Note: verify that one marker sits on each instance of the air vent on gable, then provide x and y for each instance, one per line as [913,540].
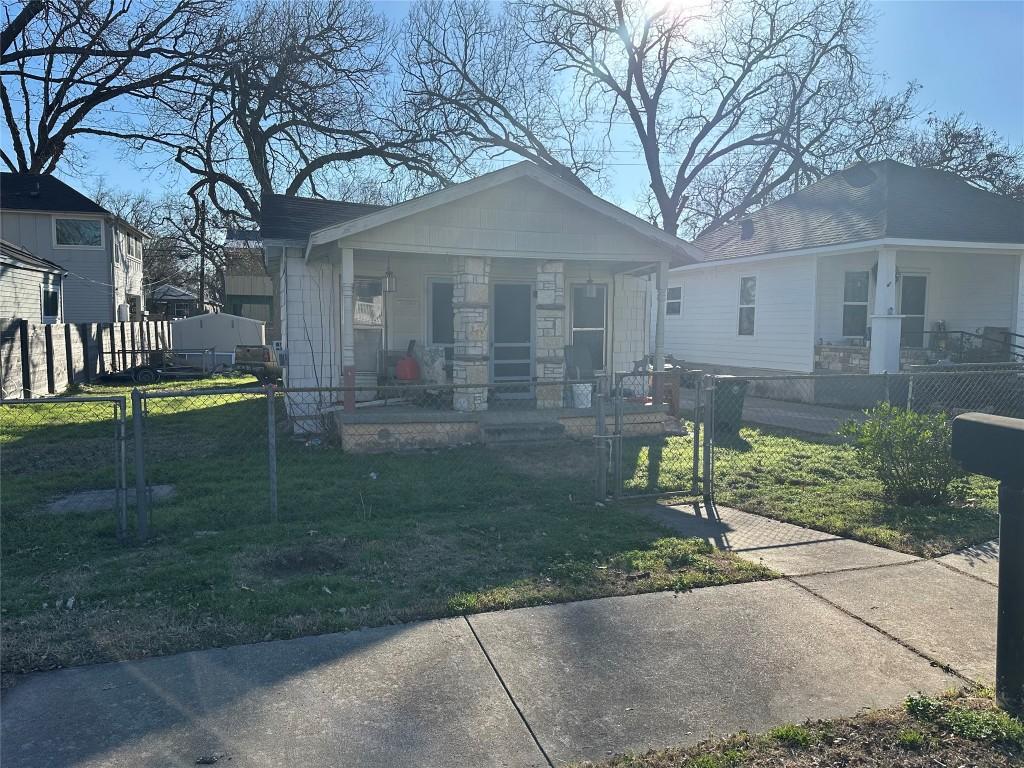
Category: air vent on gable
[746,229]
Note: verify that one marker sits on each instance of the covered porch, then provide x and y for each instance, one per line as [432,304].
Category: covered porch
[887,308]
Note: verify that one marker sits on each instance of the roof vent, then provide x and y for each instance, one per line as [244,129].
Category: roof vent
[746,229]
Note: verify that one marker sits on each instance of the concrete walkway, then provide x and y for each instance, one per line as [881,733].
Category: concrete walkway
[852,626]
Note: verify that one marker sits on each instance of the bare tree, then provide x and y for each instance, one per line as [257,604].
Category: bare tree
[294,92]
[976,154]
[70,64]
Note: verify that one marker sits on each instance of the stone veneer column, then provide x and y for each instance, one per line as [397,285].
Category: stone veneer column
[471,303]
[550,333]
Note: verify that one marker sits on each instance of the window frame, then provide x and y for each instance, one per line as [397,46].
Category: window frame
[740,306]
[604,329]
[677,302]
[84,217]
[44,318]
[848,303]
[449,357]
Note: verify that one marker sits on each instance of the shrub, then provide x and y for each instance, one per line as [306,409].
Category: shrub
[796,736]
[910,454]
[908,738]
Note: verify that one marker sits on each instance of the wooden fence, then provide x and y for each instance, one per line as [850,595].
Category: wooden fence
[38,359]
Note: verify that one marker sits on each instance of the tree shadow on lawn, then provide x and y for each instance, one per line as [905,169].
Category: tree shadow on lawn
[817,482]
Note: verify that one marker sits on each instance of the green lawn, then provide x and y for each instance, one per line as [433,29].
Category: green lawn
[359,539]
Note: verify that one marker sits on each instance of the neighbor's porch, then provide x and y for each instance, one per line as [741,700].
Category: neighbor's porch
[884,309]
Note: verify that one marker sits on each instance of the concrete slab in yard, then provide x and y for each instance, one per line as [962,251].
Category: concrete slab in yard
[102,500]
[950,617]
[631,673]
[980,561]
[415,695]
[783,547]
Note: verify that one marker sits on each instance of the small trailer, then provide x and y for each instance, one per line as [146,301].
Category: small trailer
[148,366]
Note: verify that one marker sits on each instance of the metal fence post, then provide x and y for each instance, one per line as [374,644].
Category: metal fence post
[121,469]
[272,451]
[617,404]
[601,449]
[709,442]
[698,396]
[910,392]
[141,492]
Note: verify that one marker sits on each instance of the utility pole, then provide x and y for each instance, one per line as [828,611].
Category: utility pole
[202,257]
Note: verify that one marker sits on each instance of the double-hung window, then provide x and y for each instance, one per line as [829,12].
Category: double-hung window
[49,296]
[855,304]
[589,319]
[748,301]
[674,300]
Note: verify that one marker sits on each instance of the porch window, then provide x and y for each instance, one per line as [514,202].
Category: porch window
[442,320]
[589,322]
[855,304]
[913,291]
[674,301]
[368,323]
[748,300]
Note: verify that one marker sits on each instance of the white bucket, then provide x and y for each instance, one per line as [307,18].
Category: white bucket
[581,395]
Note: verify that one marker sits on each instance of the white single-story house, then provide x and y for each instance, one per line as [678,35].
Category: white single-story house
[496,276]
[868,269]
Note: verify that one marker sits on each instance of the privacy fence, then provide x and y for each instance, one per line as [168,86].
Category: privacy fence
[41,359]
[206,461]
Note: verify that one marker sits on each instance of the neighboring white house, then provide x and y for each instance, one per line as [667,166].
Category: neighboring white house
[101,253]
[31,288]
[500,273]
[876,265]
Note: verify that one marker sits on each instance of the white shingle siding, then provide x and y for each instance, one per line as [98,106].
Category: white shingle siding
[707,329]
[312,303]
[20,292]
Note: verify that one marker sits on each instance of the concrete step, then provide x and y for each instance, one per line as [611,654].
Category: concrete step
[522,432]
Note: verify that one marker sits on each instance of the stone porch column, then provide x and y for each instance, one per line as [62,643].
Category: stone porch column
[550,333]
[471,304]
[885,323]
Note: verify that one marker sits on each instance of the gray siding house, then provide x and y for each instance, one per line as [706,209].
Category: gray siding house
[30,288]
[101,253]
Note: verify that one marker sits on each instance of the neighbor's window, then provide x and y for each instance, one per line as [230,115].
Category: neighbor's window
[748,298]
[86,233]
[855,304]
[50,303]
[588,322]
[674,301]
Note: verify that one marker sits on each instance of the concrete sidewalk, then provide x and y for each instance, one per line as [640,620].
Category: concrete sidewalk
[852,627]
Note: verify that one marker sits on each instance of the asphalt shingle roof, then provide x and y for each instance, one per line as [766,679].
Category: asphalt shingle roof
[284,217]
[32,192]
[871,201]
[19,257]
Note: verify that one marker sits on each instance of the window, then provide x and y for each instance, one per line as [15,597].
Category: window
[50,303]
[588,322]
[855,304]
[674,301]
[442,320]
[369,302]
[748,299]
[81,233]
[913,292]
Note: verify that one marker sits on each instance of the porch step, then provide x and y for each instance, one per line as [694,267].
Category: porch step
[522,432]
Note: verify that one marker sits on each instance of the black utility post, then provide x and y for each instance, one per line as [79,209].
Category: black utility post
[994,446]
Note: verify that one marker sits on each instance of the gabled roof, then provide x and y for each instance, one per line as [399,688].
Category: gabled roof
[285,217]
[351,225]
[18,257]
[33,192]
[172,293]
[872,201]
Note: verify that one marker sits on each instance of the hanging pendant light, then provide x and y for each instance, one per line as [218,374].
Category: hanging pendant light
[389,284]
[590,289]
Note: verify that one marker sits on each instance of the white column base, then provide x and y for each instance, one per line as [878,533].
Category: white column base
[885,343]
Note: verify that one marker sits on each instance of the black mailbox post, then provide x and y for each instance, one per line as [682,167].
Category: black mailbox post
[994,446]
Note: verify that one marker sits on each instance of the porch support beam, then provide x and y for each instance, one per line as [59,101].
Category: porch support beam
[348,337]
[471,305]
[550,333]
[659,331]
[885,323]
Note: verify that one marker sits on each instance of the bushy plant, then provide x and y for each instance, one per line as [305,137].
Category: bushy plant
[910,454]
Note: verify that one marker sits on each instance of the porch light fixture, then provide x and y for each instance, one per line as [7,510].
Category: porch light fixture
[590,289]
[389,284]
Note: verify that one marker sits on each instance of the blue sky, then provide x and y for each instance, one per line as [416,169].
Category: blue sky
[968,55]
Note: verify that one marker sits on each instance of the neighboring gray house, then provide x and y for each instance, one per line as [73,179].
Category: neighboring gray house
[173,303]
[30,288]
[876,266]
[101,253]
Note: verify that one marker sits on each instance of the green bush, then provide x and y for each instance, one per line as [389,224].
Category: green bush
[910,454]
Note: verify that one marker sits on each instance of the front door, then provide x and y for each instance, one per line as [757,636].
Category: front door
[913,289]
[512,336]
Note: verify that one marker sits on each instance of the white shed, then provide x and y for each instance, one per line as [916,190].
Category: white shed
[219,331]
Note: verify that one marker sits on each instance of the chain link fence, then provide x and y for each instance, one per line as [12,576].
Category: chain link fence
[764,437]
